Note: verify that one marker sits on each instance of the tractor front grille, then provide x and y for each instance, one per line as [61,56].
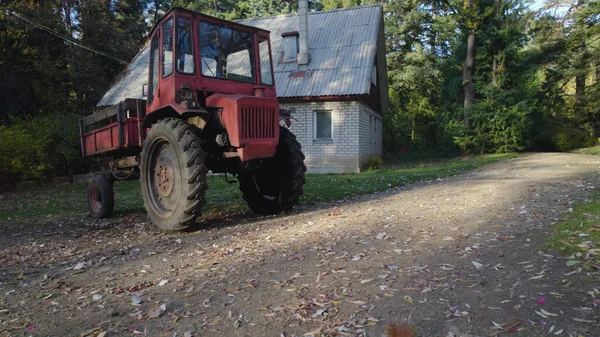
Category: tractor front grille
[257,123]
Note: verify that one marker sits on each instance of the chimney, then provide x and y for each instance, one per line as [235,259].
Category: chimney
[303,57]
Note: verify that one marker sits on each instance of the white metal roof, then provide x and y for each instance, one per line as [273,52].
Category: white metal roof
[342,48]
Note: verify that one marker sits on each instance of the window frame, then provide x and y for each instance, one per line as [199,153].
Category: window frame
[315,126]
[190,23]
[162,47]
[152,74]
[291,41]
[267,40]
[252,53]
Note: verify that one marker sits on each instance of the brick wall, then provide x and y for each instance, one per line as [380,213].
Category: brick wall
[371,134]
[351,142]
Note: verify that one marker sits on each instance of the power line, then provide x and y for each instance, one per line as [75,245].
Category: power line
[68,39]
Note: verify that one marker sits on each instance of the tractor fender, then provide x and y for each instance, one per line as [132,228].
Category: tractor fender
[168,111]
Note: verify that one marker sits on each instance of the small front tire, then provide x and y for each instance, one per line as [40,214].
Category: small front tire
[100,197]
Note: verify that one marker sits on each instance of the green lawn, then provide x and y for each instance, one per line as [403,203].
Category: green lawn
[69,199]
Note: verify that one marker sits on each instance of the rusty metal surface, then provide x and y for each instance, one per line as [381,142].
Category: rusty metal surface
[342,48]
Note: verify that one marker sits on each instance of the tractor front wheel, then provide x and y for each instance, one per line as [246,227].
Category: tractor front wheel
[173,175]
[278,183]
[100,196]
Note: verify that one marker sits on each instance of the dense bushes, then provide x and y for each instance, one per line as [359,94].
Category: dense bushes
[37,148]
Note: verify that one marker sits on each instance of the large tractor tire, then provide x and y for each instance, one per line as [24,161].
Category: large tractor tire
[173,175]
[100,196]
[278,183]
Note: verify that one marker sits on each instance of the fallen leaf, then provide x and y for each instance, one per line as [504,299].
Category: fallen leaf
[381,236]
[157,311]
[356,258]
[446,266]
[477,264]
[547,313]
[136,300]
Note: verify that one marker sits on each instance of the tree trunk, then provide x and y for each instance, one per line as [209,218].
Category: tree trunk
[580,82]
[468,70]
[495,71]
[597,79]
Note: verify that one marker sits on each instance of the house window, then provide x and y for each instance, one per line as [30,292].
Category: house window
[323,125]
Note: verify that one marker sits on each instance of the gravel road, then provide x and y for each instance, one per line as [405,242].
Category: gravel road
[465,253]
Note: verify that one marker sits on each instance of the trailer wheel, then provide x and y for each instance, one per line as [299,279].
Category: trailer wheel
[100,197]
[173,175]
[278,183]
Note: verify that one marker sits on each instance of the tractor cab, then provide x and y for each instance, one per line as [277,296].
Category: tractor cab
[219,71]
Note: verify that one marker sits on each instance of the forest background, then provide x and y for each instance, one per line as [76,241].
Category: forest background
[466,76]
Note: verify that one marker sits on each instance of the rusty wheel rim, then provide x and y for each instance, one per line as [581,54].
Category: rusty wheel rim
[164,177]
[95,198]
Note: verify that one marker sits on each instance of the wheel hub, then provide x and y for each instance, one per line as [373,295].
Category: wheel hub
[164,180]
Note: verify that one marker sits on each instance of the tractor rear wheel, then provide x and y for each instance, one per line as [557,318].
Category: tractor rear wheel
[278,183]
[173,175]
[100,196]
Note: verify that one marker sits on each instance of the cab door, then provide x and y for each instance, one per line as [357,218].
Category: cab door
[160,75]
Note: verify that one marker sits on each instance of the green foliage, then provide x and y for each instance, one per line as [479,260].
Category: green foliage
[22,155]
[38,148]
[567,139]
[374,163]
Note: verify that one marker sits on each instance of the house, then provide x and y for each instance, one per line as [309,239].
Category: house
[330,70]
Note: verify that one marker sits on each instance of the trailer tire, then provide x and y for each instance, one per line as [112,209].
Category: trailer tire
[278,183]
[173,175]
[100,196]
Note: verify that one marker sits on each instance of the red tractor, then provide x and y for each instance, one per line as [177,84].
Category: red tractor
[211,105]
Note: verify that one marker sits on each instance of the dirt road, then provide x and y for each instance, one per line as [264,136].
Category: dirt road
[465,251]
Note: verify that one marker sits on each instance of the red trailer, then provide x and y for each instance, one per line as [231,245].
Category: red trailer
[211,105]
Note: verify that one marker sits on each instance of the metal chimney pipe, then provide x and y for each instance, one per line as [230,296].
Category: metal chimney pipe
[303,57]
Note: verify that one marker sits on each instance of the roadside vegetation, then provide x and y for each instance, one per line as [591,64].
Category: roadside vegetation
[60,200]
[578,233]
[594,150]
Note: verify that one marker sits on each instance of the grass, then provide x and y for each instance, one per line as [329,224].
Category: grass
[69,199]
[580,226]
[594,150]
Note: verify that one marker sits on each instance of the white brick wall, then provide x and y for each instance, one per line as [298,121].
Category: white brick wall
[351,143]
[371,134]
